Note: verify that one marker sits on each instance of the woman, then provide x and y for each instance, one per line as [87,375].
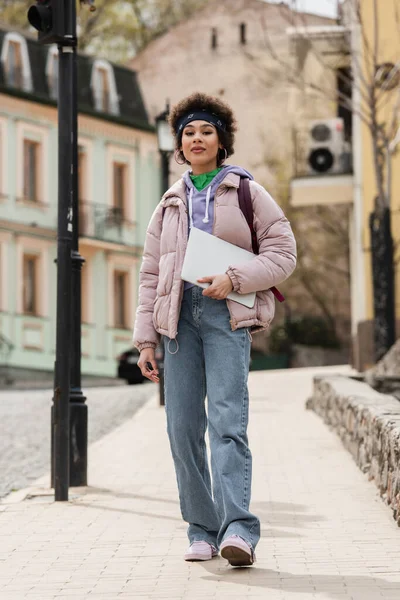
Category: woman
[207,337]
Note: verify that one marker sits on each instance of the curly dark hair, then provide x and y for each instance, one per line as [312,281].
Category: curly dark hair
[200,101]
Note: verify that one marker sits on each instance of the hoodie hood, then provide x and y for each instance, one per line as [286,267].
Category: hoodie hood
[201,203]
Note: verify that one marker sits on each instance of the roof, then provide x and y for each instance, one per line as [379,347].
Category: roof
[132,111]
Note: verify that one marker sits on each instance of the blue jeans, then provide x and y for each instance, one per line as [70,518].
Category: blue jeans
[210,360]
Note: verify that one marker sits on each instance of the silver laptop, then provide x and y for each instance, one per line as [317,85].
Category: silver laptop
[207,255]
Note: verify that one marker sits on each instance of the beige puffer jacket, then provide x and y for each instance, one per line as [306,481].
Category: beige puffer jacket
[161,287]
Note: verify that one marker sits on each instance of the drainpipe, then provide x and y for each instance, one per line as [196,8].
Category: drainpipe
[358,283]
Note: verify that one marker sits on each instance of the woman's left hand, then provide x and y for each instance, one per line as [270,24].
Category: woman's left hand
[221,286]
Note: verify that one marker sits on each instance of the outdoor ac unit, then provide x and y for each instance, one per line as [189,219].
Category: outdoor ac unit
[327,147]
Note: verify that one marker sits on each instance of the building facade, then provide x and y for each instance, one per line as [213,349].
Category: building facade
[348,46]
[118,190]
[385,27]
[224,50]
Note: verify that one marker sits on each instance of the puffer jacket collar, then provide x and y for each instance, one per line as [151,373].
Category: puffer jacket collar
[177,192]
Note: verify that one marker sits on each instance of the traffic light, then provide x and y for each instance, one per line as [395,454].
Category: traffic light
[48,17]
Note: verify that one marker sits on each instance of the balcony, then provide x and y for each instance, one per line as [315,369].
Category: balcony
[327,187]
[105,223]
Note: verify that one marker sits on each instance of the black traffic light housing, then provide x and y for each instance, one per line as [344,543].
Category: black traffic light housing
[49,18]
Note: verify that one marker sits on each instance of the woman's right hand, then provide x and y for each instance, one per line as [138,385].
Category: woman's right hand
[147,355]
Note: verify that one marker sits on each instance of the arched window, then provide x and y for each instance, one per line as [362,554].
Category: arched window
[52,71]
[15,60]
[104,88]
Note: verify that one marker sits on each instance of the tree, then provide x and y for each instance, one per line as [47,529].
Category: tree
[116,29]
[367,85]
[321,281]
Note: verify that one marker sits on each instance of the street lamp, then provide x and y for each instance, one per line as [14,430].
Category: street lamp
[166,146]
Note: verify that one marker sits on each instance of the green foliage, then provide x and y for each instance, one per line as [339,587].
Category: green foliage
[306,330]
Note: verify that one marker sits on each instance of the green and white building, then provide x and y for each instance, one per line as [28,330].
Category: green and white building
[118,190]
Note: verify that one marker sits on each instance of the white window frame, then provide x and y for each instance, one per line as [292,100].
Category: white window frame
[38,248]
[127,264]
[26,131]
[116,154]
[103,65]
[52,58]
[17,38]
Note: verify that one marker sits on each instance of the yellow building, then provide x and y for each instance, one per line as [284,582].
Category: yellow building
[361,53]
[385,33]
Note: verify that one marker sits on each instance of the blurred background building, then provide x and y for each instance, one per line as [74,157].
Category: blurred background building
[340,154]
[118,190]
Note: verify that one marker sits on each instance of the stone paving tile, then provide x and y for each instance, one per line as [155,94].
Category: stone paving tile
[326,533]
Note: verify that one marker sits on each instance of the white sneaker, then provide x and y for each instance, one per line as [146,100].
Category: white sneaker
[200,550]
[237,552]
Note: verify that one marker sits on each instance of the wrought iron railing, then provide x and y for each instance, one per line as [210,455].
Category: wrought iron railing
[105,223]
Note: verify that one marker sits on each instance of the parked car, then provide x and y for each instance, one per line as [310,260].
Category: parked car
[128,368]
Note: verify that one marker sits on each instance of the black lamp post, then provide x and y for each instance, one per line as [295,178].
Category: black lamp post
[78,410]
[56,23]
[166,147]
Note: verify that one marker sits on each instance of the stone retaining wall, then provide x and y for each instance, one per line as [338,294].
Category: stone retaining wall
[368,424]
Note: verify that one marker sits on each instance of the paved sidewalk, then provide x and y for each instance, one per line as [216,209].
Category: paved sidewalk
[326,533]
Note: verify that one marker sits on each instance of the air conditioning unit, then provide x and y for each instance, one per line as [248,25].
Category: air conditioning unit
[327,149]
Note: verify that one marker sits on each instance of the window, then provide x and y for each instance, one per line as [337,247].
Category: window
[344,88]
[104,93]
[29,301]
[104,88]
[32,163]
[52,66]
[120,297]
[242,28]
[14,65]
[119,186]
[30,175]
[15,60]
[214,38]
[33,275]
[120,165]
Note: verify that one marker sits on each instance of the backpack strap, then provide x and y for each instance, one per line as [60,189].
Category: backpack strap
[246,206]
[247,209]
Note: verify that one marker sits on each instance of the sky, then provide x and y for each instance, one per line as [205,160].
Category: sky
[319,7]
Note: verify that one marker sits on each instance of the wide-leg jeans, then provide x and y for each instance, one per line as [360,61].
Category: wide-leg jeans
[209,359]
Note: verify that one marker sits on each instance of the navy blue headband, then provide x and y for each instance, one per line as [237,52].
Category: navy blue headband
[201,115]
